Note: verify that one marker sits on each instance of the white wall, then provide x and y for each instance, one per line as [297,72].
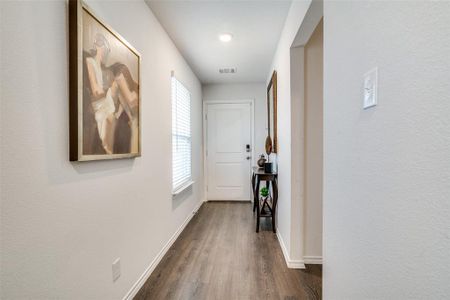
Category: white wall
[244,91]
[387,169]
[313,73]
[297,149]
[289,204]
[64,223]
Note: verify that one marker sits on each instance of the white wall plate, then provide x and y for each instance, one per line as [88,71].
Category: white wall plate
[370,88]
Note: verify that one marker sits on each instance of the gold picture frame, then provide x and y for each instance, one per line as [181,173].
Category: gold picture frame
[104,89]
[272,111]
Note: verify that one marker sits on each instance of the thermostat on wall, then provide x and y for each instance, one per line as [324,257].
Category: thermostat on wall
[370,88]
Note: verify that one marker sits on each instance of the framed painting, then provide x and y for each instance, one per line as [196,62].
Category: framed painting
[105,94]
[272,111]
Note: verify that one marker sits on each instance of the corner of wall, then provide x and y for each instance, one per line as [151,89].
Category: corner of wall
[291,263]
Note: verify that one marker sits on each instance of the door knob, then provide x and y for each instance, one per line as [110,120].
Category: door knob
[248,157]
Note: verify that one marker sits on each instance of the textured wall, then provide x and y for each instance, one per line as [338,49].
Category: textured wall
[64,223]
[387,169]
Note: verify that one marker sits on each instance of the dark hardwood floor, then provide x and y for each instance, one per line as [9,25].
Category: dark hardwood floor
[220,256]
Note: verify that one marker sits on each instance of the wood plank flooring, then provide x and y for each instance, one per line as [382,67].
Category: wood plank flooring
[220,256]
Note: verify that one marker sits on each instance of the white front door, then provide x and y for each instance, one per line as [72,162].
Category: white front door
[229,151]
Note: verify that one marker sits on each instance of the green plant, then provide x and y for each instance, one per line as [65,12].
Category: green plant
[264,192]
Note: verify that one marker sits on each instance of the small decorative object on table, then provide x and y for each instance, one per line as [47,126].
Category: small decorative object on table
[264,192]
[268,145]
[262,159]
[268,165]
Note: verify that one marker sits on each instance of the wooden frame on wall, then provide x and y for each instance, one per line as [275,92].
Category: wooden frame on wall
[272,111]
[104,89]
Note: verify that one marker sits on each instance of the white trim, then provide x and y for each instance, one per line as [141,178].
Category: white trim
[148,271]
[205,141]
[182,187]
[291,263]
[312,260]
[296,264]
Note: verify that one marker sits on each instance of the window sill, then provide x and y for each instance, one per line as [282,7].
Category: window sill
[182,188]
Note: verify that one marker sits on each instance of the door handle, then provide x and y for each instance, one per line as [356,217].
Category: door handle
[248,157]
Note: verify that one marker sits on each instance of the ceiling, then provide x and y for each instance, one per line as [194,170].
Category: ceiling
[194,27]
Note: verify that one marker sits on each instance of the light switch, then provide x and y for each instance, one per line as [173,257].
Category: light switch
[370,88]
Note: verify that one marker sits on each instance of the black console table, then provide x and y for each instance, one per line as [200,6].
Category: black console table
[264,207]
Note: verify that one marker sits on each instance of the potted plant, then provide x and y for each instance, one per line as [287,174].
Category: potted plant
[264,192]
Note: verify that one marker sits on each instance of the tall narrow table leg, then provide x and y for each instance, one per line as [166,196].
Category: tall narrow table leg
[274,204]
[258,212]
[253,191]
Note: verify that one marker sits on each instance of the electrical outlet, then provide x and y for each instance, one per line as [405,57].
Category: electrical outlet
[116,269]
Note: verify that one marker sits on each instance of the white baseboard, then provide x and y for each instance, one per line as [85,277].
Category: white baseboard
[291,263]
[312,260]
[148,271]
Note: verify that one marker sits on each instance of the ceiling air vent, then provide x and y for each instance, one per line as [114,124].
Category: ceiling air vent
[228,70]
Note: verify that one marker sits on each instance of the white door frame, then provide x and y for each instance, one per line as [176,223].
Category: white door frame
[205,140]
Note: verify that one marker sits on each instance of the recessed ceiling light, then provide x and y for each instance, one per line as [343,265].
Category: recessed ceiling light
[225,37]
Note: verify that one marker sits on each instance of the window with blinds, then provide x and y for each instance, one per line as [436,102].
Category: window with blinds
[181,135]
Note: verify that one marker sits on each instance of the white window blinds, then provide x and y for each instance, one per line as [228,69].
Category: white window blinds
[181,135]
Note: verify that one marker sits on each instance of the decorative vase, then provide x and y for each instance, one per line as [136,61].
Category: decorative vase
[261,161]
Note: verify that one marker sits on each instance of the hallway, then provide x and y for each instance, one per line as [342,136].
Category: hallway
[132,133]
[219,256]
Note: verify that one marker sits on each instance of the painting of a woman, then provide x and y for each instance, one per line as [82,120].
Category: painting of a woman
[128,105]
[101,101]
[110,93]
